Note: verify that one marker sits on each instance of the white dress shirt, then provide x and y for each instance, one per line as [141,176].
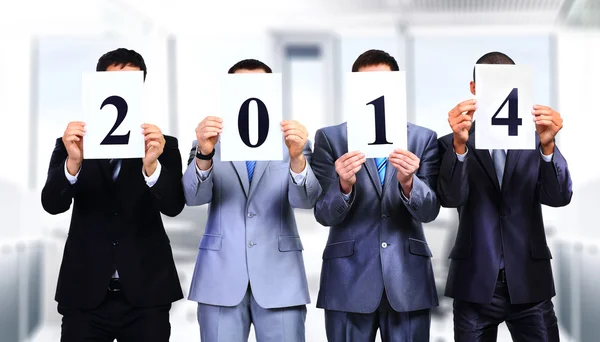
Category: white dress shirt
[461,157]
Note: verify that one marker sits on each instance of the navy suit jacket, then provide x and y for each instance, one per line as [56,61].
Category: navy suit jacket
[376,239]
[494,218]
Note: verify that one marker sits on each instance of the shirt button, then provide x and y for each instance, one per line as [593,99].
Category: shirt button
[251,244]
[251,214]
[384,245]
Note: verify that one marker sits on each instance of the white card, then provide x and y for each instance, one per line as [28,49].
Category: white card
[251,109]
[376,109]
[504,105]
[113,114]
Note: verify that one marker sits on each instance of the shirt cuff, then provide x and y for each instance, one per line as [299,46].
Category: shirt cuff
[299,178]
[461,157]
[545,157]
[150,181]
[202,174]
[346,196]
[71,179]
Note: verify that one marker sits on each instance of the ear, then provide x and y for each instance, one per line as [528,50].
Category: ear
[472,86]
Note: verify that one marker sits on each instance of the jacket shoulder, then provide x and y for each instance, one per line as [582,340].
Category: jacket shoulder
[171,141]
[420,130]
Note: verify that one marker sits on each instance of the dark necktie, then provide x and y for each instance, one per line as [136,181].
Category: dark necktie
[115,167]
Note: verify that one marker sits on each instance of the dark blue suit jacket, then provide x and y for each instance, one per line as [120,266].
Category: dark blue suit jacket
[376,240]
[492,218]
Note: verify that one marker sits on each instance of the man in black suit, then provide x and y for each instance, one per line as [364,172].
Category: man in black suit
[117,279]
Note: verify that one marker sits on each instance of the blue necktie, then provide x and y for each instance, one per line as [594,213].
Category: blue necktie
[499,159]
[250,167]
[115,167]
[381,164]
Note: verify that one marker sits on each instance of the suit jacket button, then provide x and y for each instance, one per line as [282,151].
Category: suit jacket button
[251,214]
[115,243]
[383,216]
[251,244]
[384,245]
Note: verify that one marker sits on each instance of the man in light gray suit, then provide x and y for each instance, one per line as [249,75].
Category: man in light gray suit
[250,268]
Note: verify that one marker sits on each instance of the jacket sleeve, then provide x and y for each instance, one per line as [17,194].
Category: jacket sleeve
[168,191]
[331,207]
[453,182]
[305,196]
[58,193]
[555,181]
[196,192]
[423,203]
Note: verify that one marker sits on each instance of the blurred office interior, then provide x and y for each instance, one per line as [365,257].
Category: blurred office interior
[188,45]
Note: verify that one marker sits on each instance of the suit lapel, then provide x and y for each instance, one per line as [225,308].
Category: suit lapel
[259,170]
[372,171]
[240,168]
[484,158]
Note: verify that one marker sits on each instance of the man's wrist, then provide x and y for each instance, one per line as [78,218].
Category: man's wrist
[548,149]
[406,186]
[460,148]
[346,189]
[73,166]
[298,164]
[150,168]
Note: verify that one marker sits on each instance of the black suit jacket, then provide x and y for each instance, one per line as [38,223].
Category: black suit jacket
[116,225]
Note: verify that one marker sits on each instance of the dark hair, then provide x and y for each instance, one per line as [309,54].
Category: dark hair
[375,57]
[494,57]
[122,57]
[249,64]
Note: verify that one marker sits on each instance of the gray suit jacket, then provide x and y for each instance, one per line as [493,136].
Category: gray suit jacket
[376,240]
[251,234]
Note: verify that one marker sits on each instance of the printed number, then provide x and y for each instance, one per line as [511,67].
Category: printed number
[263,122]
[379,106]
[512,121]
[122,107]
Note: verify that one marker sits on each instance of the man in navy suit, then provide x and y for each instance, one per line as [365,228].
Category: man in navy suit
[500,264]
[377,271]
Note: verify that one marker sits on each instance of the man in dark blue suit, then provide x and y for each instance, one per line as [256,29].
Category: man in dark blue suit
[377,271]
[500,269]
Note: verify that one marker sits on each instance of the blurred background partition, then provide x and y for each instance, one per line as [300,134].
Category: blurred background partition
[189,45]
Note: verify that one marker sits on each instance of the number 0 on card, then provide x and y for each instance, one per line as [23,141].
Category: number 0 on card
[113,113]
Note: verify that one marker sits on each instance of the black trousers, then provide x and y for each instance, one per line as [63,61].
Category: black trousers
[116,319]
[535,322]
[393,326]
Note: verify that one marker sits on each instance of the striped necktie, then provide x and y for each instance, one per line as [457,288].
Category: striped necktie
[250,167]
[381,165]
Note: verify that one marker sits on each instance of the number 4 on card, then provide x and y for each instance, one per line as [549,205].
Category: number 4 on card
[512,121]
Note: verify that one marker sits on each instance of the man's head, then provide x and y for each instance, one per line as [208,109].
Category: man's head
[375,60]
[249,66]
[490,58]
[122,59]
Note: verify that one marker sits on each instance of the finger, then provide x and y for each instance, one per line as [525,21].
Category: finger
[465,106]
[349,155]
[149,129]
[461,118]
[75,131]
[214,124]
[72,138]
[542,111]
[355,170]
[153,136]
[78,124]
[353,159]
[213,118]
[294,131]
[555,120]
[406,153]
[354,164]
[208,135]
[544,123]
[151,144]
[212,129]
[407,161]
[293,139]
[402,167]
